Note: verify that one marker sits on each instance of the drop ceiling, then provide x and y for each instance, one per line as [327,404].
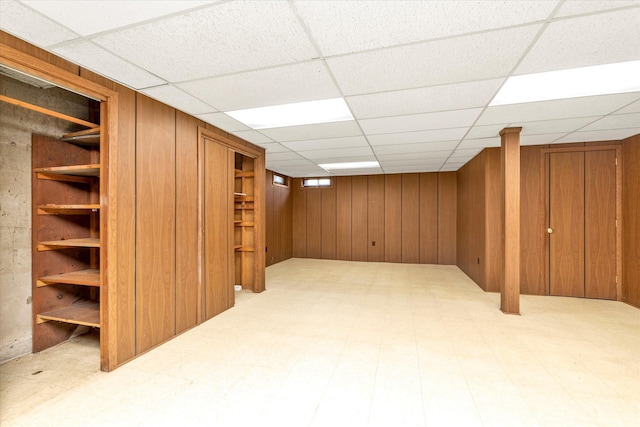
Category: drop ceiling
[418,76]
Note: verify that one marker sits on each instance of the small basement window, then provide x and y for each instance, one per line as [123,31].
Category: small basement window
[280,180]
[316,182]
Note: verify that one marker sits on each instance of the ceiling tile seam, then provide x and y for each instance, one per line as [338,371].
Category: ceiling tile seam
[137,24]
[595,12]
[215,110]
[423,113]
[515,67]
[621,108]
[47,18]
[307,31]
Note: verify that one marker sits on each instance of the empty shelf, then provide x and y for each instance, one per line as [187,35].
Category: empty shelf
[89,137]
[82,277]
[244,249]
[242,174]
[244,224]
[67,209]
[88,242]
[84,312]
[65,172]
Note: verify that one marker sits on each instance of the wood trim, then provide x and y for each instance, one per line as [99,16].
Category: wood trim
[48,112]
[595,147]
[245,150]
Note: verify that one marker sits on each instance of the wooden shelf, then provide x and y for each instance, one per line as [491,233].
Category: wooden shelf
[243,224]
[244,205]
[83,312]
[244,198]
[69,243]
[76,173]
[242,174]
[87,138]
[82,277]
[243,249]
[52,209]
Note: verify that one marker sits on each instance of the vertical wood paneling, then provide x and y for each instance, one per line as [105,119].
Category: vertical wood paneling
[314,223]
[411,218]
[359,218]
[493,224]
[217,217]
[600,224]
[375,218]
[272,212]
[187,280]
[155,222]
[447,201]
[258,265]
[393,218]
[329,222]
[299,219]
[428,218]
[532,227]
[343,218]
[631,220]
[566,207]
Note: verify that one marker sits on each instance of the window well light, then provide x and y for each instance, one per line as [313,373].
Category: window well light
[605,79]
[352,165]
[299,113]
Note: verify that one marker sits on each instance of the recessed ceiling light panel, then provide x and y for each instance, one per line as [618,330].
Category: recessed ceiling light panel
[299,113]
[605,79]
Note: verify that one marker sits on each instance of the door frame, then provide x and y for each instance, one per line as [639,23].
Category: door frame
[596,146]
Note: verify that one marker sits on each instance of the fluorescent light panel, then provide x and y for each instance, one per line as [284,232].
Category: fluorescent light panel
[352,165]
[606,79]
[299,113]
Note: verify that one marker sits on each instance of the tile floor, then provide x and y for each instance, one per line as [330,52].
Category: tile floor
[336,343]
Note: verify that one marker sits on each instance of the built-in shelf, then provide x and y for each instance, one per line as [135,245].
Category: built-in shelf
[89,137]
[243,224]
[75,173]
[83,312]
[244,198]
[243,249]
[244,205]
[88,242]
[82,277]
[52,209]
[242,174]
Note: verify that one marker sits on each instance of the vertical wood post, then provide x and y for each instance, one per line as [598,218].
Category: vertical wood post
[510,207]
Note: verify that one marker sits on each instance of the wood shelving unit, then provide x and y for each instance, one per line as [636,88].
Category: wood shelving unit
[89,277]
[86,138]
[244,221]
[83,209]
[83,312]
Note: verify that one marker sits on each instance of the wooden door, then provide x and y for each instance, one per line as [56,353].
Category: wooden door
[600,224]
[566,223]
[217,220]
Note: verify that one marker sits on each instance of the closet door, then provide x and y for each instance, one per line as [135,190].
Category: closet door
[600,224]
[217,222]
[566,224]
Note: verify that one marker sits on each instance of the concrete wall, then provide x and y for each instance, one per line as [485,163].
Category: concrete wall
[16,127]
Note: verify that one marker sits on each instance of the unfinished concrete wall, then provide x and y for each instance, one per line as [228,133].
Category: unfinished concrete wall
[16,127]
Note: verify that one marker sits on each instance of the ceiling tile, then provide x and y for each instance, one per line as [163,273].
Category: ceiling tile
[23,22]
[589,40]
[329,143]
[307,81]
[413,162]
[336,153]
[465,153]
[423,100]
[173,96]
[265,33]
[437,135]
[540,139]
[319,131]
[107,64]
[284,155]
[617,121]
[599,135]
[403,22]
[253,136]
[425,155]
[557,109]
[274,148]
[90,17]
[414,148]
[412,169]
[488,131]
[416,122]
[479,143]
[222,121]
[475,57]
[553,126]
[579,7]
[359,171]
[631,108]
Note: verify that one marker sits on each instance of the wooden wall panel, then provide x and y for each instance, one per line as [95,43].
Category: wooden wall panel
[285,248]
[343,218]
[631,220]
[41,54]
[359,218]
[411,218]
[270,212]
[329,222]
[375,218]
[493,217]
[447,202]
[393,218]
[187,279]
[155,223]
[428,218]
[532,221]
[299,219]
[314,223]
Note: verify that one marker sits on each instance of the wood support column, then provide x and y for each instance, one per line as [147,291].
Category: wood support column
[510,207]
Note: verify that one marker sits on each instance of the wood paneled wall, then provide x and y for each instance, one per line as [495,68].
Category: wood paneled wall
[406,218]
[631,220]
[279,221]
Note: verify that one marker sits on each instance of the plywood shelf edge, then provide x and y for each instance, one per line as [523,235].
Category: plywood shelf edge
[83,312]
[69,243]
[83,278]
